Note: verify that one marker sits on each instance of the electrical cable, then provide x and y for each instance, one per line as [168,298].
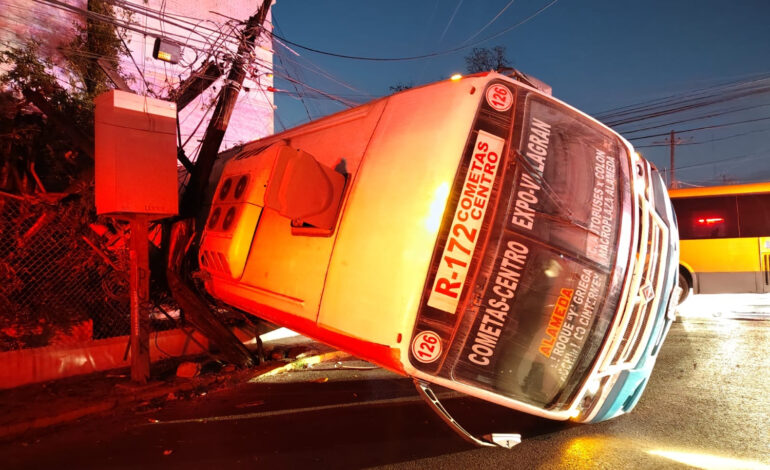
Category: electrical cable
[701,92]
[696,118]
[676,103]
[716,126]
[761,154]
[422,56]
[491,21]
[719,139]
[451,19]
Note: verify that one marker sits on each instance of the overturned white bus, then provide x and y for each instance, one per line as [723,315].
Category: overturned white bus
[475,233]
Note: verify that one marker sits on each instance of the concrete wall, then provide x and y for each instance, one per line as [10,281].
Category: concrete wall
[35,365]
[26,366]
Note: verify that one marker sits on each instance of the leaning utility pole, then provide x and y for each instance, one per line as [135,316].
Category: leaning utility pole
[195,306]
[217,127]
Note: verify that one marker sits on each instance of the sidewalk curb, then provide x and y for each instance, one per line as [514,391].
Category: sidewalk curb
[152,391]
[303,363]
[10,430]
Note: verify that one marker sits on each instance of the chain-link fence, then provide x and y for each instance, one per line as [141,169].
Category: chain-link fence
[62,273]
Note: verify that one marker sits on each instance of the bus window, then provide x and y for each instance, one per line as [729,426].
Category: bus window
[546,345]
[582,166]
[707,217]
[754,215]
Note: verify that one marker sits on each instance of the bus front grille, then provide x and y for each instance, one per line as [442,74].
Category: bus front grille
[646,286]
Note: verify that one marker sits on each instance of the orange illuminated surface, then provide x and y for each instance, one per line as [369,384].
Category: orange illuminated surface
[356,286]
[132,134]
[420,172]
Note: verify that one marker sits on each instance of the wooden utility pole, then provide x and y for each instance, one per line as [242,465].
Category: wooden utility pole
[199,80]
[672,141]
[217,127]
[193,304]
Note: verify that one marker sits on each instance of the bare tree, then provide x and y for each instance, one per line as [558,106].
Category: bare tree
[482,59]
[400,86]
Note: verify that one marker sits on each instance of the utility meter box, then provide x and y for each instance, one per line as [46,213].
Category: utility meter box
[135,153]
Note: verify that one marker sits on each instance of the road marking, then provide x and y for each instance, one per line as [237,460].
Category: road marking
[309,409]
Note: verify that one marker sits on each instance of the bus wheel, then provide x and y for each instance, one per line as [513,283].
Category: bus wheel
[684,283]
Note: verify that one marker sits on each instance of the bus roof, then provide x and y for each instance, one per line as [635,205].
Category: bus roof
[749,188]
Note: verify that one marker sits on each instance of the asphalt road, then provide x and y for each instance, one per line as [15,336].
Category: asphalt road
[706,407]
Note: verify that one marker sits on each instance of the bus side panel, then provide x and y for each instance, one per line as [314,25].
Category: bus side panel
[286,271]
[389,228]
[243,297]
[723,265]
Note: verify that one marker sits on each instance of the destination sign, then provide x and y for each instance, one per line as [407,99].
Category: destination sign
[466,224]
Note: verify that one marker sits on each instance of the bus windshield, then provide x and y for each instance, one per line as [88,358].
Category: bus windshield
[544,312]
[546,281]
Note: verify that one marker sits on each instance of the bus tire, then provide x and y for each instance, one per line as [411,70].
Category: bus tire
[684,283]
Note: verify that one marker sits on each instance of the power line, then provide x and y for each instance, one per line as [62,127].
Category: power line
[451,19]
[760,154]
[687,104]
[716,126]
[696,118]
[719,139]
[423,56]
[491,21]
[649,105]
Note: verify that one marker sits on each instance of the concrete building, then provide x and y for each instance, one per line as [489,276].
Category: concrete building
[206,29]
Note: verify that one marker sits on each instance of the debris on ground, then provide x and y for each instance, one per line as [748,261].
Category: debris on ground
[300,352]
[277,354]
[188,370]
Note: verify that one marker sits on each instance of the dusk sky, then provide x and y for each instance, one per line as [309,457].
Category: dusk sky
[596,54]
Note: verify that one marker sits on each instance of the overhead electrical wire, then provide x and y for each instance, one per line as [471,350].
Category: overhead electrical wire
[719,139]
[683,101]
[314,68]
[131,27]
[215,40]
[451,19]
[697,118]
[483,28]
[715,126]
[687,104]
[214,44]
[760,154]
[635,107]
[422,56]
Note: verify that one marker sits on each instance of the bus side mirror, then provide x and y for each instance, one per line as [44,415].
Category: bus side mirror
[304,190]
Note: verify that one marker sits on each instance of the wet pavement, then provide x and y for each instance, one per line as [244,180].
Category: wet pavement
[705,407]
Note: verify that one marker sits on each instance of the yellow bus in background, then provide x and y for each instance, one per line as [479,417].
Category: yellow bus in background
[725,238]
